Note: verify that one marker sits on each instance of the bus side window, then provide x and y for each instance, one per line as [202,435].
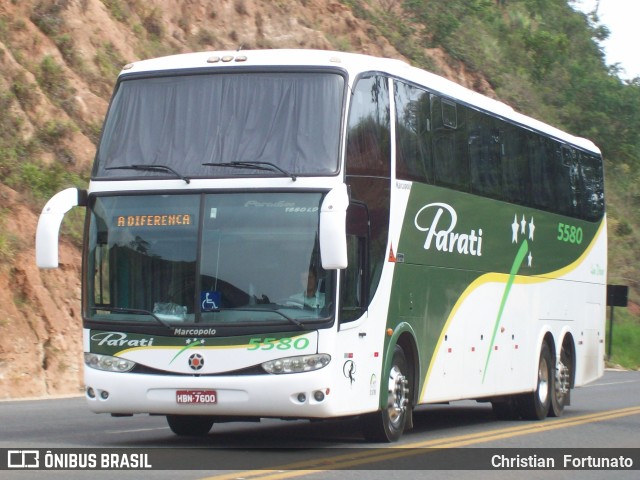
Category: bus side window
[485,154]
[450,152]
[354,277]
[592,187]
[413,136]
[541,152]
[368,138]
[515,169]
[571,201]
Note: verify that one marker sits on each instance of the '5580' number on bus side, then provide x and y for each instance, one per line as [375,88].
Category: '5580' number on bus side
[569,233]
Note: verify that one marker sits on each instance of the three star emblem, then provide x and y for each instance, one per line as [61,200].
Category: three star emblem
[520,227]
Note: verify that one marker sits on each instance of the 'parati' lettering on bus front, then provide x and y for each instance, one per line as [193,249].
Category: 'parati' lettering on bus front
[154,220]
[118,339]
[442,231]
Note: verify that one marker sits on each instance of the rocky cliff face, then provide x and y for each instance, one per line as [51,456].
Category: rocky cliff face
[58,62]
[40,323]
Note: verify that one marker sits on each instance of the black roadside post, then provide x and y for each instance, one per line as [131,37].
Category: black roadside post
[617,296]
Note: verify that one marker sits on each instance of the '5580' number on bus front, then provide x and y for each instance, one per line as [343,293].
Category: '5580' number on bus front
[278,343]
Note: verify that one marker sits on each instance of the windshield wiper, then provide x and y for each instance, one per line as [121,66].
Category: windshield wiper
[268,166]
[151,168]
[289,319]
[135,311]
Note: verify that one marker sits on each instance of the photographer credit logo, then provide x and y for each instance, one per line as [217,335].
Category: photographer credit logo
[74,459]
[23,459]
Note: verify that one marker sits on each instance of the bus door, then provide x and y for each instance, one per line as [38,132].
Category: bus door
[359,368]
[354,298]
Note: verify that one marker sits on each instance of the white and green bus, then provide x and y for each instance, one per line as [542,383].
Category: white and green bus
[310,235]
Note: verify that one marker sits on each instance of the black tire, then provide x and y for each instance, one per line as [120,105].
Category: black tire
[505,409]
[535,405]
[388,424]
[190,425]
[562,380]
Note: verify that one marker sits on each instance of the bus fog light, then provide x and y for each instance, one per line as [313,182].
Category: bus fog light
[302,397]
[104,395]
[318,395]
[304,363]
[91,393]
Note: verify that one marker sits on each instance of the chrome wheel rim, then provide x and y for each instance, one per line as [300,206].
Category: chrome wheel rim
[398,396]
[543,381]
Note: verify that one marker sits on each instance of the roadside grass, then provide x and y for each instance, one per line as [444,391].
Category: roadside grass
[625,345]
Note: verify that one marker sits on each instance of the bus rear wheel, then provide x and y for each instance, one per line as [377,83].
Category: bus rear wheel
[562,383]
[387,425]
[190,425]
[535,405]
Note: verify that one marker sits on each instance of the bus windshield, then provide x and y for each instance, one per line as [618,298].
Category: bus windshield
[229,258]
[223,125]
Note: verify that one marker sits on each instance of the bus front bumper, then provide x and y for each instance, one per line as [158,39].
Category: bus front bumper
[298,395]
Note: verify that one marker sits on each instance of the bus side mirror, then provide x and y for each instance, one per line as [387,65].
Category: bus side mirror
[333,230]
[49,225]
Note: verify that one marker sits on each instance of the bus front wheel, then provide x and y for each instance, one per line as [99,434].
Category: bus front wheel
[387,425]
[190,425]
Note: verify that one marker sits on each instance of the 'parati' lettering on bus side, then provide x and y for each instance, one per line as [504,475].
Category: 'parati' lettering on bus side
[446,240]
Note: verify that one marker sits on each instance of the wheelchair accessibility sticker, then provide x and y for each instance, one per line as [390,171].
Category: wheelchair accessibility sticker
[210,301]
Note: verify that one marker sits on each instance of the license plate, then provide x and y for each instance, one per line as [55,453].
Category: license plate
[196,396]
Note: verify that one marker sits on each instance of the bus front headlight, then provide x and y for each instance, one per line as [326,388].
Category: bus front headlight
[108,363]
[304,363]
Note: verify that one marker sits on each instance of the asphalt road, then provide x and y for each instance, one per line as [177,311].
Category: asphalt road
[603,417]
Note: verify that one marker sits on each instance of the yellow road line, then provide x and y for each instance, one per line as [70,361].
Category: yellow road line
[374,455]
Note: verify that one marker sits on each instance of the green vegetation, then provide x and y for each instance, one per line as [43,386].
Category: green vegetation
[118,10]
[44,181]
[108,61]
[13,150]
[20,167]
[625,349]
[8,244]
[152,23]
[52,78]
[47,17]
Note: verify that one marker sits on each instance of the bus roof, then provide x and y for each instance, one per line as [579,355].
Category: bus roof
[353,63]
